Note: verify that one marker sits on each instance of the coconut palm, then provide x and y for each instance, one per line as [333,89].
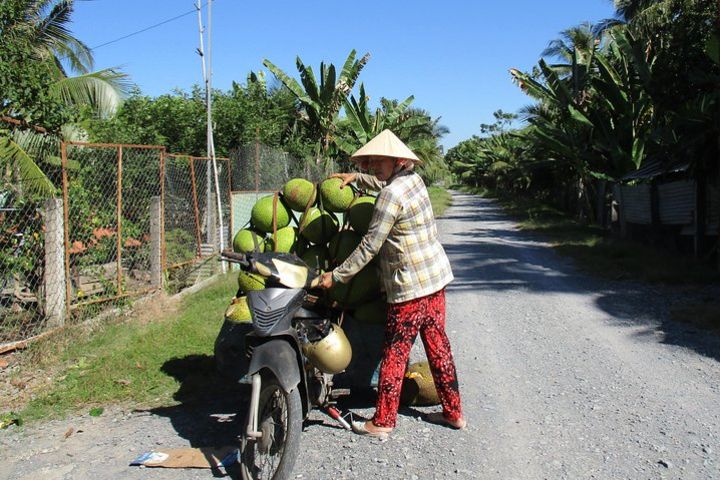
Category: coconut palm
[322,100]
[43,25]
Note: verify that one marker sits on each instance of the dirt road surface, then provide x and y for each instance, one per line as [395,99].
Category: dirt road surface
[562,376]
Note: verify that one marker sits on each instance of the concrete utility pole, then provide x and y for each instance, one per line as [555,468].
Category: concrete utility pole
[207,77]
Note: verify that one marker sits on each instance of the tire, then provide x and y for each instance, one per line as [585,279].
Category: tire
[280,420]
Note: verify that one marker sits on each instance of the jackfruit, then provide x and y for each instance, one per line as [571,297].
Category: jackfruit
[298,192]
[316,257]
[360,214]
[318,226]
[333,197]
[364,286]
[418,387]
[286,238]
[238,311]
[343,244]
[250,281]
[247,241]
[262,214]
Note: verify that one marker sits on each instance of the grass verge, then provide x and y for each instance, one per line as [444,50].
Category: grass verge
[440,200]
[126,361]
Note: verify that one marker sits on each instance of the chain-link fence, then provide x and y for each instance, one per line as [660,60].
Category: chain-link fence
[259,170]
[193,232]
[130,219]
[27,242]
[112,198]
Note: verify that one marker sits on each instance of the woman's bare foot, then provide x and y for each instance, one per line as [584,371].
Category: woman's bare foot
[439,418]
[369,428]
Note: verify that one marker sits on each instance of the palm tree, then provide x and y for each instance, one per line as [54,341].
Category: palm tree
[321,101]
[43,25]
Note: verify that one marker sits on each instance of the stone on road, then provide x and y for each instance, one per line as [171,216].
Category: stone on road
[563,377]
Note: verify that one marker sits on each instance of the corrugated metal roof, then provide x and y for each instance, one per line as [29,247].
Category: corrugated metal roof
[655,168]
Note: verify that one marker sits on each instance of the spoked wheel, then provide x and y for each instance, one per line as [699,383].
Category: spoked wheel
[272,456]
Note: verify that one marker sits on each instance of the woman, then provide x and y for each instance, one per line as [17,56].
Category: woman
[414,272]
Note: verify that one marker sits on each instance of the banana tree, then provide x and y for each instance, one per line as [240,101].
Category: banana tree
[322,100]
[364,125]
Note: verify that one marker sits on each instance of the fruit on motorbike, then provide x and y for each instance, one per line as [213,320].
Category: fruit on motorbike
[418,387]
[316,257]
[248,282]
[261,215]
[238,311]
[286,238]
[334,198]
[318,226]
[360,214]
[299,193]
[247,241]
[342,245]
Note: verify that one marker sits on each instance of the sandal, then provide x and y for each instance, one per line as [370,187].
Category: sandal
[438,418]
[361,429]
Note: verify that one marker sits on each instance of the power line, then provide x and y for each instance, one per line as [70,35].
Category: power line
[148,28]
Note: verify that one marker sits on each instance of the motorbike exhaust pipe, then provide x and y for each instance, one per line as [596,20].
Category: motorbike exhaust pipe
[252,431]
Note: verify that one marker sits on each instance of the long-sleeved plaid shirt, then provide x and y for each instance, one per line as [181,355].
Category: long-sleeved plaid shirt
[403,234]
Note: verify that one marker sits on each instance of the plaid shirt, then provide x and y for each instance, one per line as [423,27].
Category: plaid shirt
[403,234]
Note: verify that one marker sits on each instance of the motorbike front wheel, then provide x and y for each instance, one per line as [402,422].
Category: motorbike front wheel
[272,456]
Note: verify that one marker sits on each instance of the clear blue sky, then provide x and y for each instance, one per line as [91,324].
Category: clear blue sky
[452,55]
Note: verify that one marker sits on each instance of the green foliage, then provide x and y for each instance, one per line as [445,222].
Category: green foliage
[130,361]
[321,100]
[620,93]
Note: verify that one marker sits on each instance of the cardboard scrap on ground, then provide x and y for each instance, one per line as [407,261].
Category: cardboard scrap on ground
[204,457]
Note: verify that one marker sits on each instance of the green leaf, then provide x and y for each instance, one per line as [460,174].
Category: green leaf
[31,175]
[712,47]
[579,116]
[96,411]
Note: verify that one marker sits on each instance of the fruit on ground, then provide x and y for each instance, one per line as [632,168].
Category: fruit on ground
[238,311]
[246,240]
[318,226]
[316,257]
[374,312]
[418,387]
[250,281]
[262,214]
[360,214]
[298,192]
[286,238]
[343,244]
[333,197]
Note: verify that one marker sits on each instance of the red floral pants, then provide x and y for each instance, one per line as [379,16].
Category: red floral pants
[425,315]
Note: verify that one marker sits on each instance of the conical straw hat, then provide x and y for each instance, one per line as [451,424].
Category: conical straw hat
[385,144]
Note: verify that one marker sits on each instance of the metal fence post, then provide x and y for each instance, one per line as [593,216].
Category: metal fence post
[119,220]
[156,268]
[54,274]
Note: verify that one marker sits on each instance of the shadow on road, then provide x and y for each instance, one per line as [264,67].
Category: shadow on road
[211,408]
[489,254]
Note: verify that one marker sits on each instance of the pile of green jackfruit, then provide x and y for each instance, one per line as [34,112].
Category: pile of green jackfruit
[322,224]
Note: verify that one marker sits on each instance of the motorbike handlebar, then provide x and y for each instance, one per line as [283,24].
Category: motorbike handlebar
[232,257]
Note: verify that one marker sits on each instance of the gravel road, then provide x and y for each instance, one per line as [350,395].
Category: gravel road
[562,377]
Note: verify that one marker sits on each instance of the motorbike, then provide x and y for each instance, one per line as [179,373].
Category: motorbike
[294,347]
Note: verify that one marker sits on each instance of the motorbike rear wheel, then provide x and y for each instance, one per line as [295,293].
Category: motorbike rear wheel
[280,420]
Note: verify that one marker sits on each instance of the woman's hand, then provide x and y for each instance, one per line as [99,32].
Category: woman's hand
[326,280]
[346,178]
